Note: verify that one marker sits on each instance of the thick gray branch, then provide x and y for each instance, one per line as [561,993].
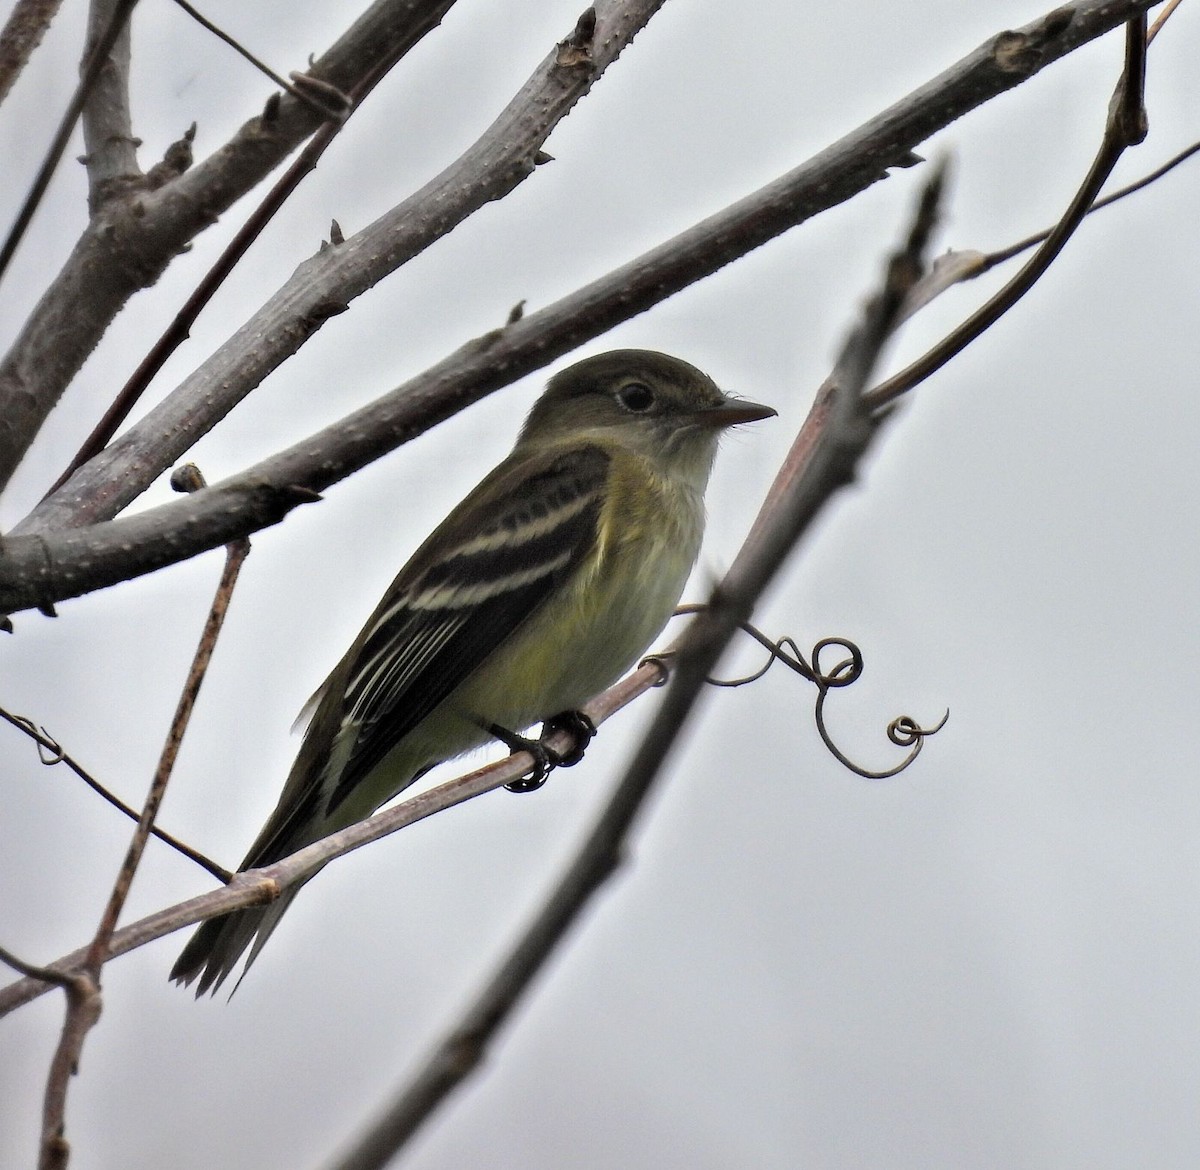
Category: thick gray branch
[132,239]
[37,570]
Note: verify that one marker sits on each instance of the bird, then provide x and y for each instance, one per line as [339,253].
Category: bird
[538,591]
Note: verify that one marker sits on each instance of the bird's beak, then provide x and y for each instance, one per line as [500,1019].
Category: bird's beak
[733,411]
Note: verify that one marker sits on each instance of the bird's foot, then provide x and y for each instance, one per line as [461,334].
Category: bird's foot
[581,729]
[546,758]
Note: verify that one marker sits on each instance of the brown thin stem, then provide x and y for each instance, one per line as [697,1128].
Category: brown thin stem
[1126,126]
[32,971]
[1161,19]
[84,994]
[1003,254]
[58,756]
[334,110]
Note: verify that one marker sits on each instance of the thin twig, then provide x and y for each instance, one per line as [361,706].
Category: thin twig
[326,109]
[66,127]
[57,755]
[991,259]
[180,328]
[84,998]
[1161,19]
[32,971]
[1126,126]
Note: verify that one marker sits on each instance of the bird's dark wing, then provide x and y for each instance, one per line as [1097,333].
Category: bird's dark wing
[487,568]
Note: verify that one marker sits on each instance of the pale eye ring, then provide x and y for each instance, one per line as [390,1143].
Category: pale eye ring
[636,397]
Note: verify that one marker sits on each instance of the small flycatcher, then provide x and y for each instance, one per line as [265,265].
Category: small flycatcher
[538,591]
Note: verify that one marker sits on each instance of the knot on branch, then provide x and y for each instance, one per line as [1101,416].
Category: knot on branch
[176,159]
[576,50]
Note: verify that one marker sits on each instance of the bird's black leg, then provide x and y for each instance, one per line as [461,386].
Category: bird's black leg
[545,757]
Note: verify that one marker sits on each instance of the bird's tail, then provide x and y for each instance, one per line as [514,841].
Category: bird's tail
[214,950]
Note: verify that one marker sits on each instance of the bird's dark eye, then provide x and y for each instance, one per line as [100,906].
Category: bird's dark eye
[636,397]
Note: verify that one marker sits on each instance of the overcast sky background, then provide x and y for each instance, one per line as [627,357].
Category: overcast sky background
[992,960]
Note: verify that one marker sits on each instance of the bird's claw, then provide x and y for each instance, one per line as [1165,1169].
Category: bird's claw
[543,763]
[581,729]
[546,758]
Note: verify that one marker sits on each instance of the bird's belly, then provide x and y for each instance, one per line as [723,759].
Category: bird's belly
[582,642]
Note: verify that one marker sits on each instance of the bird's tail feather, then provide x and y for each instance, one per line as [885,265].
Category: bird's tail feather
[214,950]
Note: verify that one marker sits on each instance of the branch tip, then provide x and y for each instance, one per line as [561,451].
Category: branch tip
[297,493]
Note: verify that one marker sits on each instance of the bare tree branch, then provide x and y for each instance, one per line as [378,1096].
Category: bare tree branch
[100,41]
[302,92]
[1126,126]
[40,570]
[96,60]
[326,283]
[502,158]
[111,148]
[133,240]
[256,886]
[178,331]
[22,33]
[83,997]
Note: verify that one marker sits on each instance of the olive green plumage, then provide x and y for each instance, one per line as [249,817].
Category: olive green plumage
[538,590]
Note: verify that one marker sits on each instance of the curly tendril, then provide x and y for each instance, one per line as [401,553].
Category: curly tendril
[903,731]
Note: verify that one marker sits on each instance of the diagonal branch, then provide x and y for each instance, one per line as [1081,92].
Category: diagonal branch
[83,999]
[257,886]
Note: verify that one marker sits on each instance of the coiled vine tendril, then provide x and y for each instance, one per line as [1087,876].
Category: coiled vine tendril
[903,731]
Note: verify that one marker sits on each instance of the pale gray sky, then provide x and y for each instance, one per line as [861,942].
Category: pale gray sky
[991,960]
